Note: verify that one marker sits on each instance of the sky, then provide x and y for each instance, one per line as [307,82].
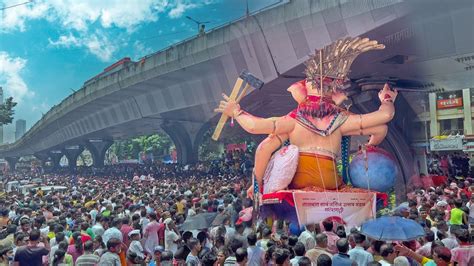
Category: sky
[49,48]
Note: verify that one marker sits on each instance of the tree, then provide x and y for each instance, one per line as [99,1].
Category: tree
[7,112]
[158,144]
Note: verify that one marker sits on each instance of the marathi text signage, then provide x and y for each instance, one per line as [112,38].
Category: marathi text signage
[448,144]
[352,208]
[449,103]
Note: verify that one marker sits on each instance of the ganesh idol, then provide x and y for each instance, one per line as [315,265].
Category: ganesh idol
[317,125]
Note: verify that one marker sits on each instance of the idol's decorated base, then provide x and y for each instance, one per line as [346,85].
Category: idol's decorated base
[350,205]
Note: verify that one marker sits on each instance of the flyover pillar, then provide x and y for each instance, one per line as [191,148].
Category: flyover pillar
[43,157]
[72,153]
[12,162]
[55,156]
[98,148]
[183,136]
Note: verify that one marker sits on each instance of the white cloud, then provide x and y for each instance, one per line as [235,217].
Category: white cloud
[100,46]
[140,50]
[65,41]
[79,19]
[10,77]
[15,18]
[42,107]
[181,6]
[97,44]
[78,15]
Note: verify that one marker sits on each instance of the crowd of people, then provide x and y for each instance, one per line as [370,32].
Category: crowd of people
[143,215]
[455,164]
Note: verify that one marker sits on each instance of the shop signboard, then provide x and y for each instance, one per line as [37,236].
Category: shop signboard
[468,146]
[449,103]
[447,144]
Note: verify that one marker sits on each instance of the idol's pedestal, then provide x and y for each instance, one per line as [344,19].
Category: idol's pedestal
[350,206]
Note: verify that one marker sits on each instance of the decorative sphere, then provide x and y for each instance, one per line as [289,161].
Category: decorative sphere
[380,174]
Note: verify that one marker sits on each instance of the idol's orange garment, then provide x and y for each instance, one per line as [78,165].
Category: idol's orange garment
[315,170]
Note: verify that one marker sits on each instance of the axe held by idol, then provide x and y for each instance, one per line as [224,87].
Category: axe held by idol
[245,80]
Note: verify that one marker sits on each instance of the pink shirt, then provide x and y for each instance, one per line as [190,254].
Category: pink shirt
[332,239]
[462,254]
[71,249]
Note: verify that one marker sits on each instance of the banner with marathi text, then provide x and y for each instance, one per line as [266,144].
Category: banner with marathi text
[352,208]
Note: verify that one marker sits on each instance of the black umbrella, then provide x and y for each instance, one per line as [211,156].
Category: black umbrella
[198,221]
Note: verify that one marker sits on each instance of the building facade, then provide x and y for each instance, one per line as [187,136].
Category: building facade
[1,127]
[20,128]
[444,127]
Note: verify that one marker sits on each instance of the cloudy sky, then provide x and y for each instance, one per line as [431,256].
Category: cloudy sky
[48,48]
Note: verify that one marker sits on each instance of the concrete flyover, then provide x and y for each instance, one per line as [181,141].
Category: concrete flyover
[176,89]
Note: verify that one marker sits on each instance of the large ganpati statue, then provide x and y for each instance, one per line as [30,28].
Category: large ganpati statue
[317,126]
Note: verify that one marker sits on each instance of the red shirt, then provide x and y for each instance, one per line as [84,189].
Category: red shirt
[125,229]
[161,232]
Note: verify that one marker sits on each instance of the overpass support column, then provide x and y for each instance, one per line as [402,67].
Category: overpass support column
[434,124]
[72,152]
[183,136]
[12,162]
[43,157]
[55,156]
[98,148]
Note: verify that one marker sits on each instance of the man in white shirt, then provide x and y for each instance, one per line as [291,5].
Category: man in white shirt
[359,254]
[307,237]
[388,254]
[171,237]
[99,228]
[255,255]
[299,250]
[425,250]
[113,231]
[470,205]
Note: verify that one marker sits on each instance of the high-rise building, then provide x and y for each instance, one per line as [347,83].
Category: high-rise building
[20,128]
[1,127]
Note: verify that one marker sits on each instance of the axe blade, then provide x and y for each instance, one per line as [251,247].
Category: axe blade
[251,79]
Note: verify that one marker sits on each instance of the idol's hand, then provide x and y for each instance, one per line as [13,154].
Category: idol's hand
[250,192]
[387,94]
[227,106]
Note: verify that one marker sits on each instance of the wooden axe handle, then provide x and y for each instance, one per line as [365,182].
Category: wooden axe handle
[242,94]
[223,119]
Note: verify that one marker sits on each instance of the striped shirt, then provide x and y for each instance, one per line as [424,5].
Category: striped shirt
[87,260]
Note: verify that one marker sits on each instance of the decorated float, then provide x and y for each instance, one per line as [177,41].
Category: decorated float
[295,177]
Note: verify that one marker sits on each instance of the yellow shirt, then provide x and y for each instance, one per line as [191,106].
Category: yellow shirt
[180,207]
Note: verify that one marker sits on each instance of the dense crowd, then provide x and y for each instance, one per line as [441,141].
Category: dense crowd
[152,215]
[455,164]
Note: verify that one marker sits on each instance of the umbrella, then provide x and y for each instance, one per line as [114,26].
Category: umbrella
[198,221]
[219,219]
[393,228]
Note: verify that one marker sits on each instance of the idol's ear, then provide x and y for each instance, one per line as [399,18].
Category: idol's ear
[298,91]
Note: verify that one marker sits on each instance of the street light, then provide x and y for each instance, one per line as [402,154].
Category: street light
[199,23]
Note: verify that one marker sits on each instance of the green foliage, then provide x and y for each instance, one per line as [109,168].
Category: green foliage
[158,144]
[209,149]
[7,112]
[85,158]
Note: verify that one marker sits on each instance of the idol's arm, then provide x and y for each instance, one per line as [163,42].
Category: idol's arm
[253,124]
[380,117]
[377,134]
